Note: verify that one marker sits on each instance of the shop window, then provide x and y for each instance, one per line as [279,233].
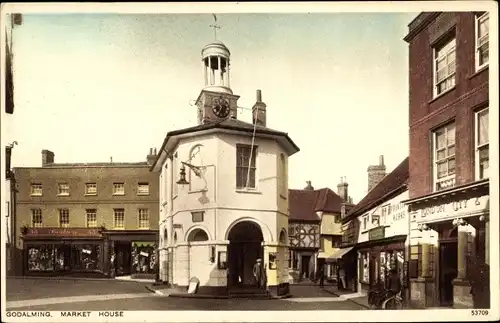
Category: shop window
[40,258]
[432,250]
[415,261]
[143,257]
[85,257]
[365,268]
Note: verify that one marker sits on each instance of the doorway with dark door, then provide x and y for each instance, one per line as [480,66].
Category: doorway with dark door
[305,260]
[123,254]
[245,247]
[447,270]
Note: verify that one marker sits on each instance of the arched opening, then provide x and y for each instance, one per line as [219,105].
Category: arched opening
[245,247]
[197,235]
[282,238]
[165,236]
[175,237]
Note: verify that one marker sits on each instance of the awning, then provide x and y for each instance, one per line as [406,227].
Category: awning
[322,255]
[339,253]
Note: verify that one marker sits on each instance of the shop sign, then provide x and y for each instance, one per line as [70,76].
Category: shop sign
[459,208]
[64,232]
[376,233]
[145,254]
[87,251]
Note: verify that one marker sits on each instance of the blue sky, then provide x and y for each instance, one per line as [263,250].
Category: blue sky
[91,86]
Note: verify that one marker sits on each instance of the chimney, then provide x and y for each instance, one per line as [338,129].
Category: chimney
[376,173]
[259,111]
[309,187]
[47,157]
[151,157]
[342,190]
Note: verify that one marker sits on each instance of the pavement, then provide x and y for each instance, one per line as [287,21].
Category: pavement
[100,294]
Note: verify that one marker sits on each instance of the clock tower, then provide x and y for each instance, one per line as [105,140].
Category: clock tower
[216,101]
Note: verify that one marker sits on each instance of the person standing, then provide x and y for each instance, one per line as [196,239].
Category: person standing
[342,276]
[321,277]
[257,272]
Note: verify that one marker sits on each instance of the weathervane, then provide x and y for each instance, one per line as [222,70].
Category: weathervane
[215,26]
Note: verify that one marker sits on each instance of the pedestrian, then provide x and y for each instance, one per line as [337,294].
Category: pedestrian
[321,277]
[479,278]
[257,272]
[342,277]
[393,283]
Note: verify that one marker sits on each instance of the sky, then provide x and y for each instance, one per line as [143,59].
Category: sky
[92,86]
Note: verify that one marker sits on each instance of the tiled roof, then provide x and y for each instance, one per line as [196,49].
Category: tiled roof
[103,164]
[303,204]
[390,183]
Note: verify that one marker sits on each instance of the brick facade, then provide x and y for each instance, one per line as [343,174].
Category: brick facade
[427,113]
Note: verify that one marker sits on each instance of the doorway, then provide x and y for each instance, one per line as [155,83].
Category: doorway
[123,252]
[304,270]
[245,247]
[447,271]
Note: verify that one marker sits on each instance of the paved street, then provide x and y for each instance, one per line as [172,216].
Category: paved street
[40,294]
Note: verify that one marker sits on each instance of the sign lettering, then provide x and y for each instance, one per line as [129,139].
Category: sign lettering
[376,234]
[62,232]
[453,209]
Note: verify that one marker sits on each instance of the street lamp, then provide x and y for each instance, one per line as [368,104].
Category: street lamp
[196,170]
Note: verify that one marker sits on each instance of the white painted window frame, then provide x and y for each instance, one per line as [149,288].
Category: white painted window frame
[91,218]
[87,188]
[36,214]
[450,177]
[478,147]
[64,214]
[143,218]
[119,218]
[62,189]
[478,19]
[449,76]
[117,191]
[36,189]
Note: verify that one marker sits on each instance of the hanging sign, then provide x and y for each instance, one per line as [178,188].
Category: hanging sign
[145,254]
[87,251]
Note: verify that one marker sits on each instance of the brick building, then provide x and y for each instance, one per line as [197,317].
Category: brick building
[87,218]
[449,155]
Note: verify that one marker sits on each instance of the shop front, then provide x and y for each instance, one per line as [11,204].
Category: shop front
[377,256]
[451,242]
[133,253]
[63,251]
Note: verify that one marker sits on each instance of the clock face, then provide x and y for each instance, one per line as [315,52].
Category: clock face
[220,107]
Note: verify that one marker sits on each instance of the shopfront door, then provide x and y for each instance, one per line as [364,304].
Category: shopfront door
[447,271]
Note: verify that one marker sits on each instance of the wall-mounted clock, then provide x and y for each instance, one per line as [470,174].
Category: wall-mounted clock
[220,107]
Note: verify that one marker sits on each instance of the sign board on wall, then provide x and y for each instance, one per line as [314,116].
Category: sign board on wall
[376,233]
[455,209]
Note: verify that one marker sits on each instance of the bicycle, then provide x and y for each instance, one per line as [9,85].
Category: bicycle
[395,302]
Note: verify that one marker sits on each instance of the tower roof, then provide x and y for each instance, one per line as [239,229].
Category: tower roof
[215,46]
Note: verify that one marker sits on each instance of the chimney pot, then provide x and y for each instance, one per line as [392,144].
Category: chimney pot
[150,151]
[259,96]
[381,160]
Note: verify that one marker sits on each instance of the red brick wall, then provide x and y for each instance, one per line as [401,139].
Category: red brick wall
[426,113]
